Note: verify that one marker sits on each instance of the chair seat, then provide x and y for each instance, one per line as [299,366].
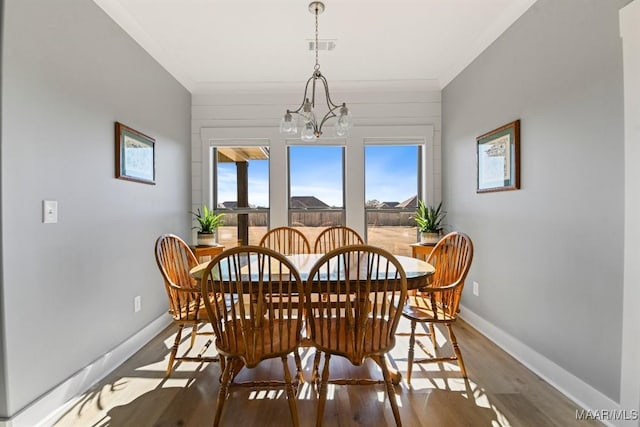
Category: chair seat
[189,313]
[340,335]
[419,308]
[256,342]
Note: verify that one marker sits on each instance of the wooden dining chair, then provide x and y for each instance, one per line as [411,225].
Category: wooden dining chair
[286,240]
[359,293]
[258,325]
[439,302]
[175,259]
[336,237]
[331,238]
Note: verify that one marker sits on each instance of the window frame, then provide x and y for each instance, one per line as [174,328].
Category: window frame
[354,192]
[213,197]
[421,144]
[318,143]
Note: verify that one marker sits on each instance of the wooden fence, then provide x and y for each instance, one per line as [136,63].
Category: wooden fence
[325,218]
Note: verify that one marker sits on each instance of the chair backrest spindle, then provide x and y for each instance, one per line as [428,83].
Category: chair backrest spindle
[336,237]
[286,240]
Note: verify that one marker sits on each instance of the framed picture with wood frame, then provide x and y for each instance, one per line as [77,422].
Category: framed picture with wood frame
[135,155]
[498,159]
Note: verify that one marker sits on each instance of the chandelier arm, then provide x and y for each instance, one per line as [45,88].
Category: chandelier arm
[313,90]
[304,97]
[330,104]
[328,116]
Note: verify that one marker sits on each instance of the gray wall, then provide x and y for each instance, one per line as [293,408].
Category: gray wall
[549,257]
[69,72]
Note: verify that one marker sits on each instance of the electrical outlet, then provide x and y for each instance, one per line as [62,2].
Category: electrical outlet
[137,304]
[476,288]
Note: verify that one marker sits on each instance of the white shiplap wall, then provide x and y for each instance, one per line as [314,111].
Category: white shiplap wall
[381,111]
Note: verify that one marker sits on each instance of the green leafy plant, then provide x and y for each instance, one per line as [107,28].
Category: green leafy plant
[428,218]
[208,220]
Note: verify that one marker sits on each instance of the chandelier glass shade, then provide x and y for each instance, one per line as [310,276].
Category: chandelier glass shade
[311,123]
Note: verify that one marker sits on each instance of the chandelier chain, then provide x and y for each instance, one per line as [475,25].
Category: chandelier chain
[317,66]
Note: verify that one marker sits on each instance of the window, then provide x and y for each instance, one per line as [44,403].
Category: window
[316,185]
[392,177]
[316,188]
[241,192]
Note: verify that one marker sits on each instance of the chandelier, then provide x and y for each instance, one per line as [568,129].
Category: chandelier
[311,124]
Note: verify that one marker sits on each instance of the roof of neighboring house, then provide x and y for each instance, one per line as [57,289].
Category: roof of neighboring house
[307,202]
[232,205]
[228,205]
[387,204]
[411,202]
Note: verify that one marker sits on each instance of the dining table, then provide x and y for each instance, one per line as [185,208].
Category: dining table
[418,272]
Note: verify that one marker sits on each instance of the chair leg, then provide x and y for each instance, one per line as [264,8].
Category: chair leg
[412,343]
[456,349]
[316,366]
[291,396]
[323,390]
[174,350]
[223,364]
[390,391]
[222,393]
[296,356]
[194,332]
[432,332]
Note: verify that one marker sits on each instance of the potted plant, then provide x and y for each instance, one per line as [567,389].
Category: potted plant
[208,223]
[429,220]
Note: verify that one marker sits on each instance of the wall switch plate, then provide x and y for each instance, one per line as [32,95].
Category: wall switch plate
[476,288]
[137,304]
[49,211]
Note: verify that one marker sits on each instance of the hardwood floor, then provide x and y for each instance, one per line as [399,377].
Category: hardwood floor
[499,392]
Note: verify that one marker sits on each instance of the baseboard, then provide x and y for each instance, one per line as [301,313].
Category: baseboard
[568,384]
[48,408]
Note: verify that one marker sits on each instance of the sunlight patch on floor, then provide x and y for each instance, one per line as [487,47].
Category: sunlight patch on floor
[469,397]
[307,391]
[502,421]
[266,394]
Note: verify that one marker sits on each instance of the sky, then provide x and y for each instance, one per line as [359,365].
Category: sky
[391,174]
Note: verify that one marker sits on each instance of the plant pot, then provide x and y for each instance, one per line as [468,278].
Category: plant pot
[207,239]
[429,238]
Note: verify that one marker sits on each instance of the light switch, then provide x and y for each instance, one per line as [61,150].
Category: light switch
[49,211]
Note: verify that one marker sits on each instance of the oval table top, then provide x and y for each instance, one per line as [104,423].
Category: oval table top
[418,272]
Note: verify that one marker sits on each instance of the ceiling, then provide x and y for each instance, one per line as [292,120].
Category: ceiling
[210,45]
